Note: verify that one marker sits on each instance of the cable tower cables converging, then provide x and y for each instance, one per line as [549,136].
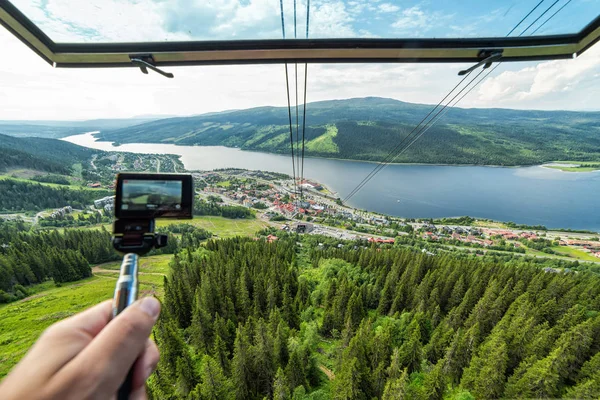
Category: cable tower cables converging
[287,86]
[390,155]
[415,134]
[525,17]
[549,18]
[297,113]
[395,152]
[538,18]
[304,104]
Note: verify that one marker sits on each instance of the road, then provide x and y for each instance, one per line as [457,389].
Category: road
[92,161]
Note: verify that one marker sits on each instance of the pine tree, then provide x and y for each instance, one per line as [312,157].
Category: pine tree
[281,389]
[434,384]
[221,354]
[295,373]
[262,355]
[241,368]
[410,352]
[355,311]
[486,375]
[346,384]
[280,347]
[396,388]
[214,386]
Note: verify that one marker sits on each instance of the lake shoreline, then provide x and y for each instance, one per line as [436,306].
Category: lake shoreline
[314,157]
[528,195]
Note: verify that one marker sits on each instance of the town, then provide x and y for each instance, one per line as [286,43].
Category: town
[310,207]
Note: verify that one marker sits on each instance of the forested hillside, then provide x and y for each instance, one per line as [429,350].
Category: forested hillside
[41,154]
[246,319]
[18,196]
[60,129]
[366,129]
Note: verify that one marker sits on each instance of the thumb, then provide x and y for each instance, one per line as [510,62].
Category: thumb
[107,360]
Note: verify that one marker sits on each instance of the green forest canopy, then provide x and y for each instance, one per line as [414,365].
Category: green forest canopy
[245,319]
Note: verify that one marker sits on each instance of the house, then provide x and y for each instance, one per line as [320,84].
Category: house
[272,238]
[379,221]
[100,203]
[303,227]
[95,185]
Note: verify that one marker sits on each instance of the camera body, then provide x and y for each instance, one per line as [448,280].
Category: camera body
[142,197]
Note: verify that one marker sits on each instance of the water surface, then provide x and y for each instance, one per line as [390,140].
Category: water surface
[528,195]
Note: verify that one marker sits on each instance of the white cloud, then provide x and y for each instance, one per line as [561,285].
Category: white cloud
[414,21]
[546,83]
[110,20]
[388,8]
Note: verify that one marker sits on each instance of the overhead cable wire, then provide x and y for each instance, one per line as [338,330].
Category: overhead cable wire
[538,18]
[439,115]
[498,64]
[393,151]
[525,17]
[282,20]
[304,110]
[549,18]
[386,161]
[418,131]
[303,127]
[287,87]
[297,115]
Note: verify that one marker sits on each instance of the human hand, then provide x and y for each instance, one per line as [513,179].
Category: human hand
[88,356]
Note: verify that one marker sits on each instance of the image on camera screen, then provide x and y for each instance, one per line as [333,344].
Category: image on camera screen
[150,195]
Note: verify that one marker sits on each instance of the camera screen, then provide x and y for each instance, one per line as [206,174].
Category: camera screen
[151,195]
[142,195]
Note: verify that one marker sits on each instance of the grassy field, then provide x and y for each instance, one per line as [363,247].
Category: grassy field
[576,166]
[325,143]
[222,227]
[22,322]
[27,175]
[224,184]
[575,253]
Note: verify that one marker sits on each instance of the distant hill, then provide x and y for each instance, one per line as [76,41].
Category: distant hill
[367,128]
[50,155]
[60,129]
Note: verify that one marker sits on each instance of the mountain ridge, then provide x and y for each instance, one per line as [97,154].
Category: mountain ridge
[367,128]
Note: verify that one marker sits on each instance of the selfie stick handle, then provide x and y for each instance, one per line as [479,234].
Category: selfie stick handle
[126,293]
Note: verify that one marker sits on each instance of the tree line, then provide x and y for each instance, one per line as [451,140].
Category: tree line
[30,257]
[203,207]
[248,319]
[16,196]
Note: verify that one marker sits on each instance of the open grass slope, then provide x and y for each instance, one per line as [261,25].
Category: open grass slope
[367,128]
[222,227]
[22,322]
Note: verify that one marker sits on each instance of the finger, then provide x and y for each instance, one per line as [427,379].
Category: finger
[64,340]
[139,394]
[145,365]
[89,322]
[103,365]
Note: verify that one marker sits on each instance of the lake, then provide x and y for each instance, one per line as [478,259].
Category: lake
[527,195]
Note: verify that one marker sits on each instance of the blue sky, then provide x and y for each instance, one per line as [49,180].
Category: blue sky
[31,89]
[126,20]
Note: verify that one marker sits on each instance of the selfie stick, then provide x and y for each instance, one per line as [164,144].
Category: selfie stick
[125,294]
[134,238]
